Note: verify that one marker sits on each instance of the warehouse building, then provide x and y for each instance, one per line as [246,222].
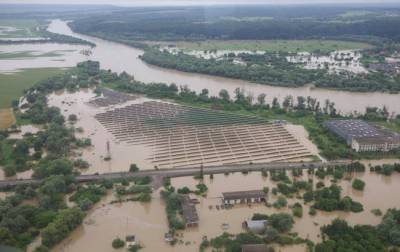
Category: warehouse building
[243,197]
[362,136]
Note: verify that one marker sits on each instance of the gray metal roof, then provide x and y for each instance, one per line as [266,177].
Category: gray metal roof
[354,128]
[243,195]
[256,226]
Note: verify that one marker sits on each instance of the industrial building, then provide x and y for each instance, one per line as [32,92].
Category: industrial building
[362,136]
[254,196]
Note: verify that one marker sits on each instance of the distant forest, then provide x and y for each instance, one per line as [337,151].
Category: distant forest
[244,22]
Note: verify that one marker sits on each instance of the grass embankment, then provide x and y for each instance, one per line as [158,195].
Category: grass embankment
[323,46]
[12,87]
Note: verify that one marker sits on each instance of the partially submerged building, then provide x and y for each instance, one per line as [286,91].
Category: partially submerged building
[130,240]
[189,212]
[255,226]
[241,197]
[362,136]
[256,248]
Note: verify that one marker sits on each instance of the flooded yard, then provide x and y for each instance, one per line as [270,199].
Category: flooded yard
[147,221]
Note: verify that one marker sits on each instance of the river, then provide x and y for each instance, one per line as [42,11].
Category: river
[119,57]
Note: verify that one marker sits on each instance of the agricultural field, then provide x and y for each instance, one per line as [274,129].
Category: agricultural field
[7,118]
[18,28]
[12,85]
[324,46]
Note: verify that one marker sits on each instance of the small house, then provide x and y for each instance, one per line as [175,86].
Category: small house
[130,240]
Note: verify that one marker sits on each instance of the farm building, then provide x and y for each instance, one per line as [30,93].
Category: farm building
[362,136]
[189,212]
[240,197]
[255,226]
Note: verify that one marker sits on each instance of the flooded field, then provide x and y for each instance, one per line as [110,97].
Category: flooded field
[335,62]
[122,154]
[126,147]
[25,129]
[23,56]
[148,221]
[183,136]
[127,60]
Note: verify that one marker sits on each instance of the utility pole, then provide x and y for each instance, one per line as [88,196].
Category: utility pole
[108,157]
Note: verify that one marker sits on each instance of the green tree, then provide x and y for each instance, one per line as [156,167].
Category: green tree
[358,184]
[118,243]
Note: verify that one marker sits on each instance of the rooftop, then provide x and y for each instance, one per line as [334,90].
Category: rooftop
[354,128]
[257,226]
[243,194]
[130,238]
[189,211]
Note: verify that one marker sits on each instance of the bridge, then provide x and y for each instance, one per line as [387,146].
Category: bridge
[160,174]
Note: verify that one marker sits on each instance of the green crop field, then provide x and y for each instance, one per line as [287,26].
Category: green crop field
[12,85]
[273,45]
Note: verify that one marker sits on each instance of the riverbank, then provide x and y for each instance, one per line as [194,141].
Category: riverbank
[128,61]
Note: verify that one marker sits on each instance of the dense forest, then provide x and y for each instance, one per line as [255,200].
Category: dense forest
[243,22]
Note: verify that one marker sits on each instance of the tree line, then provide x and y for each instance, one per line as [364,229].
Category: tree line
[273,69]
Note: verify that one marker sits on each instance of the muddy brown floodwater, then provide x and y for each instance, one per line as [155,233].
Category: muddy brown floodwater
[119,57]
[122,154]
[147,221]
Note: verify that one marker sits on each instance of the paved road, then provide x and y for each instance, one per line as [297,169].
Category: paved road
[158,175]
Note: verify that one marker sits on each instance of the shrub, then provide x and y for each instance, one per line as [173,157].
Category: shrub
[280,202]
[297,210]
[258,216]
[133,168]
[320,184]
[282,222]
[183,190]
[358,184]
[376,212]
[72,118]
[134,248]
[118,243]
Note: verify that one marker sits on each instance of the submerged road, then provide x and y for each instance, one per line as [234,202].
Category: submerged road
[159,175]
